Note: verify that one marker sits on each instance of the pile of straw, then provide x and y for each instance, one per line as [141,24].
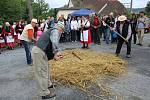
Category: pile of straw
[81,68]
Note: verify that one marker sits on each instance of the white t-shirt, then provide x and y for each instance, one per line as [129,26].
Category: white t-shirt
[14,27]
[24,35]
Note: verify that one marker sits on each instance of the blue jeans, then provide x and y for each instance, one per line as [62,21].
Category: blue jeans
[107,35]
[113,36]
[27,50]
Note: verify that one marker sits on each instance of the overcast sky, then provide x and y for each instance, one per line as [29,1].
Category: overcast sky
[60,3]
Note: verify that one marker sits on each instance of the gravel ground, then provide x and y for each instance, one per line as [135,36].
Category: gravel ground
[134,85]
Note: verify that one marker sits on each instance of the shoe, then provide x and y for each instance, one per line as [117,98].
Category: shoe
[30,64]
[138,44]
[83,47]
[51,95]
[128,56]
[117,55]
[98,43]
[141,44]
[107,42]
[87,47]
[52,86]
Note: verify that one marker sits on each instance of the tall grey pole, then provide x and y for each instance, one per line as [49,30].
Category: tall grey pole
[29,5]
[131,5]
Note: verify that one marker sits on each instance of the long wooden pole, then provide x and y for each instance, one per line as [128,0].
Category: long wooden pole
[108,25]
[102,8]
[115,31]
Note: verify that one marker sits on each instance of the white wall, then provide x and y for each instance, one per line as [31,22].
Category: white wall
[64,12]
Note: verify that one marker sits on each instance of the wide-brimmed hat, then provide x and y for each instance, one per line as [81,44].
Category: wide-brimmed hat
[34,20]
[122,18]
[111,14]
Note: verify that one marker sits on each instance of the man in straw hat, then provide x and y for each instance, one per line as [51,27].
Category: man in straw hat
[46,49]
[123,28]
[26,38]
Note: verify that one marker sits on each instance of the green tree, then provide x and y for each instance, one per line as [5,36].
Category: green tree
[12,8]
[40,9]
[147,9]
[18,9]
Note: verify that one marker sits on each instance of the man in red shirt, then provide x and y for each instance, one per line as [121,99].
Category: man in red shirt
[95,27]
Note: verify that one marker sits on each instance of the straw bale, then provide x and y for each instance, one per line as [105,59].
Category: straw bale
[81,68]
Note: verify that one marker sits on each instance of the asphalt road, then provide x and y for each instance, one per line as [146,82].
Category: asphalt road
[134,85]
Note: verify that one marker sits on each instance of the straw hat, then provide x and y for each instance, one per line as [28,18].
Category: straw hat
[111,14]
[43,20]
[34,20]
[122,18]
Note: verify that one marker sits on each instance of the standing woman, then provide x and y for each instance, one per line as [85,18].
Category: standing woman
[2,41]
[74,28]
[19,29]
[133,22]
[85,32]
[67,31]
[8,32]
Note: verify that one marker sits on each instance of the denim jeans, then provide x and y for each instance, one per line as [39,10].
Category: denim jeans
[113,36]
[27,50]
[107,35]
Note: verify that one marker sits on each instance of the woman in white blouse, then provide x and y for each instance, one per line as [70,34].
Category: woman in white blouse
[74,28]
[85,32]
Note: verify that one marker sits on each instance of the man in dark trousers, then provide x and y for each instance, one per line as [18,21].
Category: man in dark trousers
[46,49]
[133,22]
[123,27]
[95,30]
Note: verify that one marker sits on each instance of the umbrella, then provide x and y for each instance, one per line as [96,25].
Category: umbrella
[82,12]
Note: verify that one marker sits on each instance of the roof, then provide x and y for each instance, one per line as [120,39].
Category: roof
[96,5]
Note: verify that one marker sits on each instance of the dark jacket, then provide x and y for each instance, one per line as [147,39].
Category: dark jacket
[124,29]
[133,22]
[109,21]
[45,44]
